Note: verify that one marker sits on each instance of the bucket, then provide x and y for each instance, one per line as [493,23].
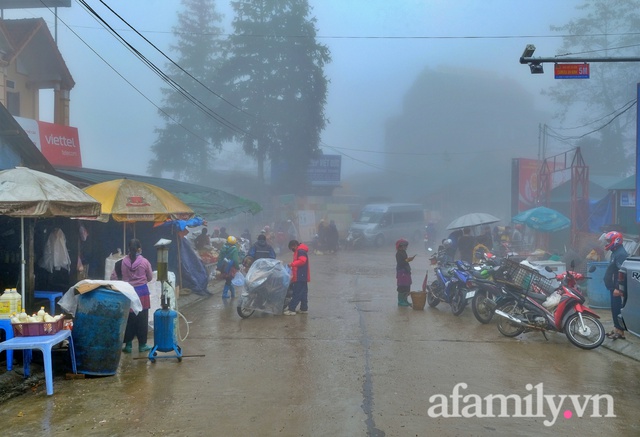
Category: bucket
[597,293]
[98,331]
[418,299]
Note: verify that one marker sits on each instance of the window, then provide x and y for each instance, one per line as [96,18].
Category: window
[13,103]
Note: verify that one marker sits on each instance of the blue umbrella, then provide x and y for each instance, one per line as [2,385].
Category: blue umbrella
[543,219]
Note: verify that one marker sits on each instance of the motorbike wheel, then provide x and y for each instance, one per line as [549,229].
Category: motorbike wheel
[482,311]
[245,313]
[590,337]
[506,327]
[458,301]
[432,299]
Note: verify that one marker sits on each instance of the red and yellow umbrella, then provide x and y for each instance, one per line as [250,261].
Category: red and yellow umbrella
[127,200]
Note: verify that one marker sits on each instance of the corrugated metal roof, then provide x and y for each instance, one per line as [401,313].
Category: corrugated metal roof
[628,183]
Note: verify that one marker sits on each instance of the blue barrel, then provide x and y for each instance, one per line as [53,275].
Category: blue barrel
[597,293]
[98,331]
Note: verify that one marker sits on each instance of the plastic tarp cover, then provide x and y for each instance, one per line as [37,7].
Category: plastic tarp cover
[266,285]
[69,301]
[194,272]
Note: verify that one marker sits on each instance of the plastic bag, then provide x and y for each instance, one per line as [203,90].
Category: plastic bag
[238,279]
[552,300]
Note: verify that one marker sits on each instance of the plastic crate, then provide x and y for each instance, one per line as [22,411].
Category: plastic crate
[525,278]
[33,329]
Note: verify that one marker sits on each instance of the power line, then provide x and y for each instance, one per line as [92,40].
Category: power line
[177,87]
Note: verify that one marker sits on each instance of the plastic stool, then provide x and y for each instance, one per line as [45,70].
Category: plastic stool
[52,296]
[44,343]
[8,331]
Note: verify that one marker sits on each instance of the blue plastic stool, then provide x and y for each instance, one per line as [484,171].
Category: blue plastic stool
[52,296]
[8,331]
[44,343]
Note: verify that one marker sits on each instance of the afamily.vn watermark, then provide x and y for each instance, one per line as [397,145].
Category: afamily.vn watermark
[534,404]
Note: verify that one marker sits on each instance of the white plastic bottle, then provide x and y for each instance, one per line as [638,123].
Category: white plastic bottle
[15,301]
[5,305]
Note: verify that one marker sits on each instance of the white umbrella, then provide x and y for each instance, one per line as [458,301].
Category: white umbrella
[473,219]
[30,193]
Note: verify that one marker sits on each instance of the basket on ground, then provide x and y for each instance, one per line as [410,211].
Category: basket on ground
[39,328]
[418,299]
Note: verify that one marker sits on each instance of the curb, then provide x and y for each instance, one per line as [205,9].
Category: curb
[630,347]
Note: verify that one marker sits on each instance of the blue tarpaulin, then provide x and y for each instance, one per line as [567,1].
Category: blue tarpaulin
[543,219]
[600,213]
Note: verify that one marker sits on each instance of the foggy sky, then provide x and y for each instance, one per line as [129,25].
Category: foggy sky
[378,49]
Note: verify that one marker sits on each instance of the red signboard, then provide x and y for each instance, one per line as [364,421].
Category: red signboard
[60,144]
[571,71]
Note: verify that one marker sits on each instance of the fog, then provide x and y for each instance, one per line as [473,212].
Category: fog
[427,101]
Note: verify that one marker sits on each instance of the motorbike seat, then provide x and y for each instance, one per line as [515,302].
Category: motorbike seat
[538,297]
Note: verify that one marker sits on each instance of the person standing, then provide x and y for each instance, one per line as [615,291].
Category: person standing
[136,270]
[228,264]
[403,272]
[465,245]
[301,275]
[333,237]
[261,249]
[613,242]
[202,240]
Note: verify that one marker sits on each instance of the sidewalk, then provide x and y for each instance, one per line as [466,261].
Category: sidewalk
[629,347]
[14,384]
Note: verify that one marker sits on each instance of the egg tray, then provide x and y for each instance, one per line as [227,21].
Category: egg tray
[38,328]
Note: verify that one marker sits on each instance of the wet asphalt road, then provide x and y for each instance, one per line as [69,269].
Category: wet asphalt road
[356,365]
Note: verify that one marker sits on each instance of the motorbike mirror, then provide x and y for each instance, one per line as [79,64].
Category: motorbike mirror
[592,269]
[573,264]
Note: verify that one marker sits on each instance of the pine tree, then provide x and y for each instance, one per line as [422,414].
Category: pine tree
[186,146]
[274,70]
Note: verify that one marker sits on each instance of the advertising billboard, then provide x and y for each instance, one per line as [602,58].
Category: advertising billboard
[59,144]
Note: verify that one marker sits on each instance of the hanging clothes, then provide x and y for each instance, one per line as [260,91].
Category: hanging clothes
[56,255]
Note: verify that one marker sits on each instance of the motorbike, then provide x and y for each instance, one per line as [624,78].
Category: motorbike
[449,285]
[487,294]
[354,240]
[266,288]
[533,310]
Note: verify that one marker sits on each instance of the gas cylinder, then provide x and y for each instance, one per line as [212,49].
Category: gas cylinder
[165,329]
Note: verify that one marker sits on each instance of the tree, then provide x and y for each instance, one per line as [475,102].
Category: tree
[187,144]
[274,69]
[604,26]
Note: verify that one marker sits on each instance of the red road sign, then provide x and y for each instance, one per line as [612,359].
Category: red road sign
[571,71]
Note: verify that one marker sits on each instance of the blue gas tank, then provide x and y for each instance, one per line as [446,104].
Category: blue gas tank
[164,329]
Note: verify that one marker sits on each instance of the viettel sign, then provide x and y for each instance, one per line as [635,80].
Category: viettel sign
[571,71]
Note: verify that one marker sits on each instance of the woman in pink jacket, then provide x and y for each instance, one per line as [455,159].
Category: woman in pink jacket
[136,270]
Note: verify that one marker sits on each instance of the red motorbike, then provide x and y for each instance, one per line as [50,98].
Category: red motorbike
[564,310]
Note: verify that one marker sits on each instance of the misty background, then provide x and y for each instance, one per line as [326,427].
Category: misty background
[426,100]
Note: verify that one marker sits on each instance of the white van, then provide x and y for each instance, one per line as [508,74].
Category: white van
[381,223]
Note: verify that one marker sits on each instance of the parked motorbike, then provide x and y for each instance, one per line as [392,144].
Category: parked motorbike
[488,293]
[449,286]
[533,311]
[266,288]
[354,240]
